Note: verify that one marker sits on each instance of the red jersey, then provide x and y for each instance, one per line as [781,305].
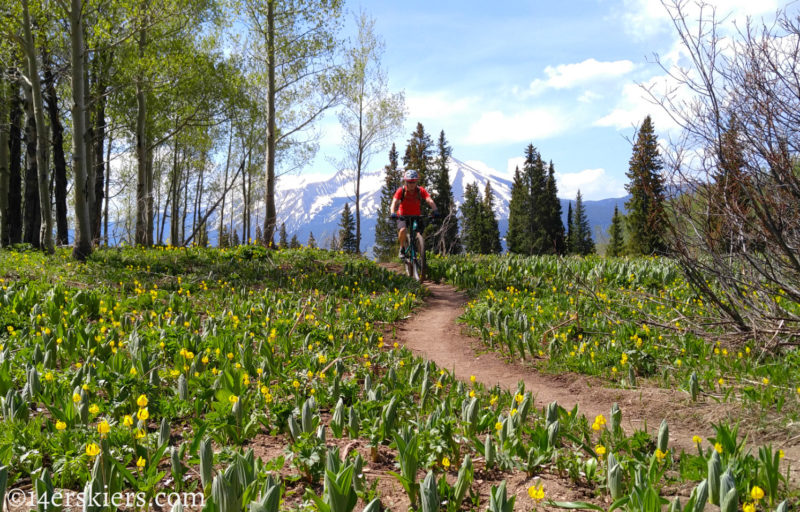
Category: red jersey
[411,203]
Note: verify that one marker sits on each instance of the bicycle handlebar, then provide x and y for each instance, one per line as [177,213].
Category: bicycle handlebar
[411,217]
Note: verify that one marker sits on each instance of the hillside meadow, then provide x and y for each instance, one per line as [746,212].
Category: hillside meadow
[278,380]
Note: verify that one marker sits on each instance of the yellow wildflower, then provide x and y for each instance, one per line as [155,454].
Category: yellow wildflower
[92,450]
[536,493]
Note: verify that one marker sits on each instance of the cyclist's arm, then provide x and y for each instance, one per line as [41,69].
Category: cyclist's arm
[430,202]
[393,207]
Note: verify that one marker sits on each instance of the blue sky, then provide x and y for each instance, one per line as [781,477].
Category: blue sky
[560,75]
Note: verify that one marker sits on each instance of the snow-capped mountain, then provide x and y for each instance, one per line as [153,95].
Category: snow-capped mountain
[314,205]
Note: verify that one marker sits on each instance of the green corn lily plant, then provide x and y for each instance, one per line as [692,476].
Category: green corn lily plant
[429,494]
[337,419]
[388,418]
[694,386]
[698,498]
[614,477]
[663,437]
[769,471]
[270,497]
[499,501]
[408,456]
[469,415]
[44,494]
[729,500]
[3,485]
[615,425]
[714,475]
[463,482]
[206,454]
[338,494]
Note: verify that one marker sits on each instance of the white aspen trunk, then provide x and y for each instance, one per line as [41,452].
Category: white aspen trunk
[46,235]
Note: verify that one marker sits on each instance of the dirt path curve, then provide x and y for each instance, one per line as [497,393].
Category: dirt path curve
[434,333]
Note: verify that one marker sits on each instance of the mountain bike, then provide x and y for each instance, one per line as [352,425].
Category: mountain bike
[414,253]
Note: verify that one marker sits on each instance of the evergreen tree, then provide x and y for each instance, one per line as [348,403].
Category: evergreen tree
[646,219]
[385,228]
[616,243]
[446,240]
[490,232]
[419,155]
[294,243]
[259,236]
[569,241]
[283,242]
[536,178]
[312,244]
[224,239]
[554,228]
[519,216]
[471,219]
[236,242]
[347,235]
[582,242]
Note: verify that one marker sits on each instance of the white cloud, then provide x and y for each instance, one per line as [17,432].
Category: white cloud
[635,104]
[593,184]
[498,127]
[589,97]
[644,18]
[437,105]
[513,163]
[565,76]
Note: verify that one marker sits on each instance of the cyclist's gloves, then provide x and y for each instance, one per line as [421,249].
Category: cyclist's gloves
[393,216]
[436,214]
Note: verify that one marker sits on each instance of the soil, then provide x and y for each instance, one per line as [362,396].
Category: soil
[434,333]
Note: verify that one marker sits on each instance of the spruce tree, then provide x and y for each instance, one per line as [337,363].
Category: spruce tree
[616,243]
[553,225]
[294,243]
[312,244]
[283,242]
[582,235]
[347,235]
[446,240]
[490,232]
[646,219]
[536,178]
[519,216]
[471,219]
[385,228]
[569,241]
[419,154]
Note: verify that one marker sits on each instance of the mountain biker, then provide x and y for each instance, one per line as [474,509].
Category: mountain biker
[407,200]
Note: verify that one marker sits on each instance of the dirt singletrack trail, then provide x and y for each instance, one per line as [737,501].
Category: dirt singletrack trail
[434,332]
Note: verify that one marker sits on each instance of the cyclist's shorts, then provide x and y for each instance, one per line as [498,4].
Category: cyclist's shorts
[401,223]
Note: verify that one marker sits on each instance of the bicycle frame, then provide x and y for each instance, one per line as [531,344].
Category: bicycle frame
[415,262]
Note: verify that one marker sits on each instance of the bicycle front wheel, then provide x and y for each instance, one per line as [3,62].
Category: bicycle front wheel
[419,260]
